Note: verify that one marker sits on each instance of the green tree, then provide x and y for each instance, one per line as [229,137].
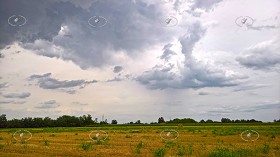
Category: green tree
[161,120]
[138,122]
[3,121]
[114,121]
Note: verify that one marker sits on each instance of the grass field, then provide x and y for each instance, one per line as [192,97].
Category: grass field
[200,141]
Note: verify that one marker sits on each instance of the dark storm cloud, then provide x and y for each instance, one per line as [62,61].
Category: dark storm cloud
[263,56]
[117,69]
[132,27]
[194,74]
[4,85]
[46,82]
[22,95]
[48,104]
[44,19]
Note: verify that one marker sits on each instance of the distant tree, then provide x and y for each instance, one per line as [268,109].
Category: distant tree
[138,122]
[3,121]
[202,121]
[161,120]
[96,120]
[185,120]
[209,121]
[86,120]
[237,121]
[38,122]
[114,121]
[130,122]
[49,122]
[15,123]
[225,120]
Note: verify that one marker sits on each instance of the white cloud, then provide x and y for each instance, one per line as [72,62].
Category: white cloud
[265,55]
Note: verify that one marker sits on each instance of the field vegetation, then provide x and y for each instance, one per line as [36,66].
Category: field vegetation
[206,140]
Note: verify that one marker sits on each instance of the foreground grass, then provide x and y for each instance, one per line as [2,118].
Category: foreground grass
[202,141]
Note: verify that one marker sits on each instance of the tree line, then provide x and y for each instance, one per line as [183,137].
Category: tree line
[62,121]
[86,120]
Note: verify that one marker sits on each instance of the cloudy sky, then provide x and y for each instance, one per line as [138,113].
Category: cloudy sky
[203,59]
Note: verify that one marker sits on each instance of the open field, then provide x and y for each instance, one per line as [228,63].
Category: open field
[212,141]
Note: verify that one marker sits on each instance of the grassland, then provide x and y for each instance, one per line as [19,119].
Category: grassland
[200,141]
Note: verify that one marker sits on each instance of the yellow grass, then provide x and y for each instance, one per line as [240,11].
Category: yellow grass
[123,142]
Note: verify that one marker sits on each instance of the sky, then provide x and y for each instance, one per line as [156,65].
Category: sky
[143,59]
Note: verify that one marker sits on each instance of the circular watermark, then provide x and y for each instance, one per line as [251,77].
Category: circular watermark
[168,21]
[169,135]
[22,135]
[249,135]
[244,21]
[98,135]
[97,21]
[17,20]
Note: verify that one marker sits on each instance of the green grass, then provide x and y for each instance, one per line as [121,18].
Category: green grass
[160,152]
[181,151]
[87,146]
[139,145]
[1,146]
[225,152]
[265,148]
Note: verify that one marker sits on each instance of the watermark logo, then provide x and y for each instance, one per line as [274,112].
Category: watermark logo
[168,21]
[17,20]
[97,21]
[169,135]
[98,135]
[249,135]
[244,21]
[22,135]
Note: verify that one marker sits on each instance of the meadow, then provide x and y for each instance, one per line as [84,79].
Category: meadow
[144,140]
